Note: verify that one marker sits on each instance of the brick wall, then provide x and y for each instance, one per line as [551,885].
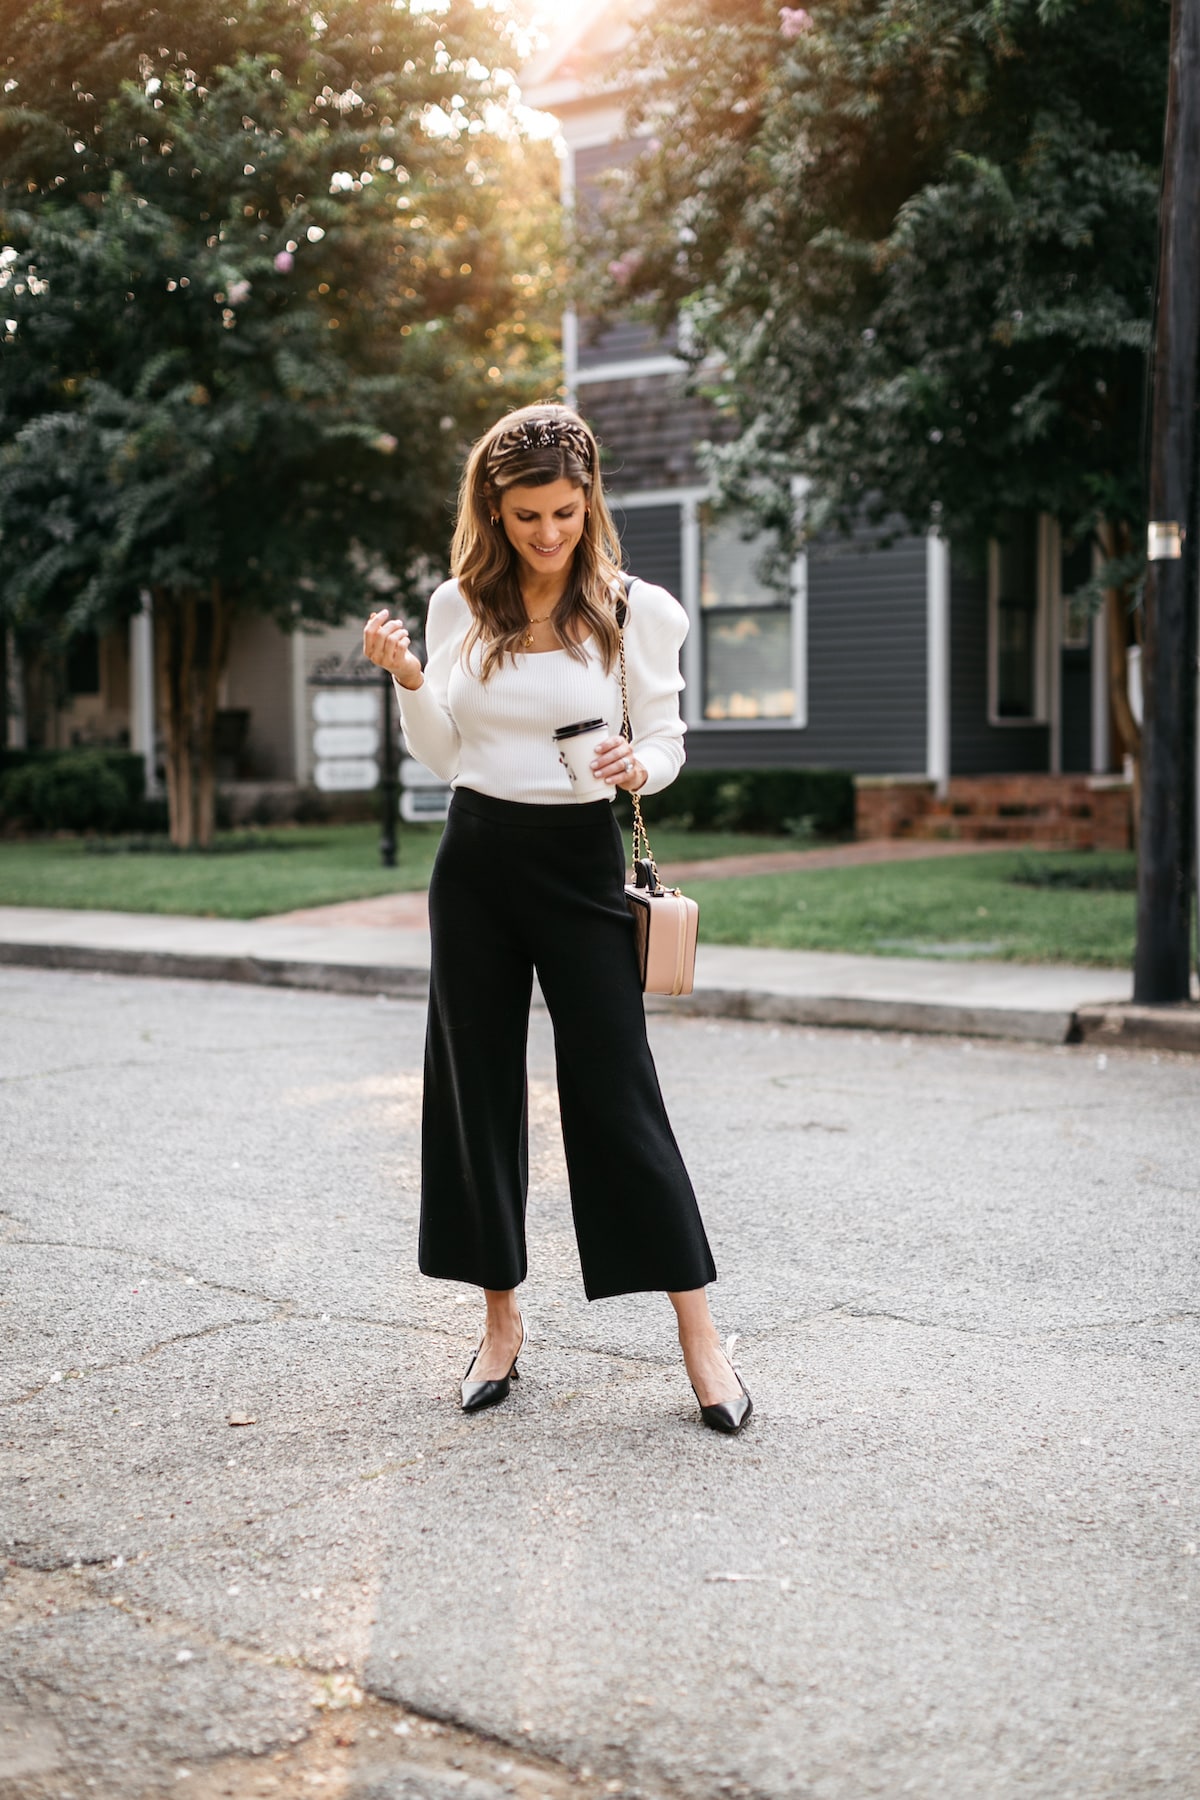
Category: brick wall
[1079,812]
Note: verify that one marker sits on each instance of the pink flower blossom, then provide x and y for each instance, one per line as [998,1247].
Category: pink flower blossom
[793,20]
[285,262]
[625,267]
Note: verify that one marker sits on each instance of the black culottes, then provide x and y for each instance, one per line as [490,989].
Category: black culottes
[518,887]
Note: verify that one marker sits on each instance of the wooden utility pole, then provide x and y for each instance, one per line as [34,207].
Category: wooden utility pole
[1166,828]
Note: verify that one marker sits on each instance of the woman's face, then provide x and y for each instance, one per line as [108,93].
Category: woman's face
[544,524]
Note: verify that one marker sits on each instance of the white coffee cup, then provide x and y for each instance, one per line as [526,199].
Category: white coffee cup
[577,745]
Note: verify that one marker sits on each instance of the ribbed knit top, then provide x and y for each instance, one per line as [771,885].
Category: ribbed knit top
[498,736]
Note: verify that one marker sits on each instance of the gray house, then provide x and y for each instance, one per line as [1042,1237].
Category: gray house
[965,703]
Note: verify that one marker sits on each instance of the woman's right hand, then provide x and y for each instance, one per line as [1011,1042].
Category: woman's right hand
[386,644]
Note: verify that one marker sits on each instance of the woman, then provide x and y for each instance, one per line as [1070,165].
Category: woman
[525,639]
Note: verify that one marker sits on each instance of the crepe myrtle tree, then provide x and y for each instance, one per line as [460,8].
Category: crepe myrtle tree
[261,275]
[915,238]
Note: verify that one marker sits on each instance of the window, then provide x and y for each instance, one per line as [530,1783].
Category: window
[83,664]
[1075,571]
[1017,678]
[746,629]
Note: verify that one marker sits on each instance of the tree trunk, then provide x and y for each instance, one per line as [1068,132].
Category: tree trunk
[1115,543]
[173,709]
[189,662]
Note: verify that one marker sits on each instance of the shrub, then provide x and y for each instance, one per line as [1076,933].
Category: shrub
[74,790]
[1098,876]
[802,801]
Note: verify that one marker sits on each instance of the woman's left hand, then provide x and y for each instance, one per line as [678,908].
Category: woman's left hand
[615,763]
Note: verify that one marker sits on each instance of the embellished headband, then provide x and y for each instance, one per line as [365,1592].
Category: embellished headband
[539,434]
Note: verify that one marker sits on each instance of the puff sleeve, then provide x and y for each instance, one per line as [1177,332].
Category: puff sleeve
[656,627]
[430,733]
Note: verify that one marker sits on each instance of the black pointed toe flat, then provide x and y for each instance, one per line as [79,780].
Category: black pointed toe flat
[727,1415]
[477,1396]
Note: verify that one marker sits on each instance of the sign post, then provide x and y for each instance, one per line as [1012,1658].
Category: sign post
[387,780]
[354,737]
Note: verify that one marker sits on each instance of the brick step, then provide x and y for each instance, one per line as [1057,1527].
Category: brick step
[1072,811]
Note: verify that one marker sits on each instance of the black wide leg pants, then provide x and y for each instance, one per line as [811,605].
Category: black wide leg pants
[515,888]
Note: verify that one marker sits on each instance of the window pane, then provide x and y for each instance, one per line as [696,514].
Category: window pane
[747,665]
[1075,573]
[1016,624]
[1014,661]
[83,664]
[727,567]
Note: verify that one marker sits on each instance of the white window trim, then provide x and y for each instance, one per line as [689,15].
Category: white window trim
[1041,635]
[627,368]
[937,660]
[690,500]
[1101,739]
[1050,553]
[659,496]
[624,368]
[798,719]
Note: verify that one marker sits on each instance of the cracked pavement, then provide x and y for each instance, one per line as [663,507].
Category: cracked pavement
[252,1547]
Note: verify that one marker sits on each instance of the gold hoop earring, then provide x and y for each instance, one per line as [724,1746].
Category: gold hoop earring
[495,518]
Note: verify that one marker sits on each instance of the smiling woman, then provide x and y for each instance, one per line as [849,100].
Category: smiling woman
[525,649]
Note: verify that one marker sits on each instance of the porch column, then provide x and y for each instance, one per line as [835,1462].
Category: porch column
[692,657]
[301,735]
[141,689]
[937,660]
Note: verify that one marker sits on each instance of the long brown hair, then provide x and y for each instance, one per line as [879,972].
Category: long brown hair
[531,448]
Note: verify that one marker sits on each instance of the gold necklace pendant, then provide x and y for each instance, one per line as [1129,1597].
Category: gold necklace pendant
[527,640]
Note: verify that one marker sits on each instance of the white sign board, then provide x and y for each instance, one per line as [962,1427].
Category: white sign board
[345,707]
[423,795]
[346,775]
[420,805]
[345,740]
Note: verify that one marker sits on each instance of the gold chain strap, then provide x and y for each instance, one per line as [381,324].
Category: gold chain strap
[641,843]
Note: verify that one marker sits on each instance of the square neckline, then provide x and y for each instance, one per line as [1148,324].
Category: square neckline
[560,649]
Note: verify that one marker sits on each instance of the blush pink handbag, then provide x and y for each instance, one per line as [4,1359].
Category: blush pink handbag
[664,920]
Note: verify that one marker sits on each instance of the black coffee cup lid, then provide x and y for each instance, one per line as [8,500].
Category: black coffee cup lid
[570,731]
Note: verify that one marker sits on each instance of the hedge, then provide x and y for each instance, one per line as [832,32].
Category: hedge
[768,800]
[103,790]
[76,790]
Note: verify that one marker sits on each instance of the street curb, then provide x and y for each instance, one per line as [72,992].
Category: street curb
[412,983]
[262,971]
[861,1013]
[1175,1027]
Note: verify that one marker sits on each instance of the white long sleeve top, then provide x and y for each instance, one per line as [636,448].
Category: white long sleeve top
[497,737]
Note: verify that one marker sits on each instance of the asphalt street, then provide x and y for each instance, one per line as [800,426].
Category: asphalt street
[252,1546]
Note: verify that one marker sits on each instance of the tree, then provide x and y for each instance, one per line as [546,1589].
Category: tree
[916,237]
[261,275]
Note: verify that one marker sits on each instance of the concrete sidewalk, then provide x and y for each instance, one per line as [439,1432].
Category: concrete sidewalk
[325,949]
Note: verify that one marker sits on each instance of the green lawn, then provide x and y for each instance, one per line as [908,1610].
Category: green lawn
[957,907]
[960,907]
[261,872]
